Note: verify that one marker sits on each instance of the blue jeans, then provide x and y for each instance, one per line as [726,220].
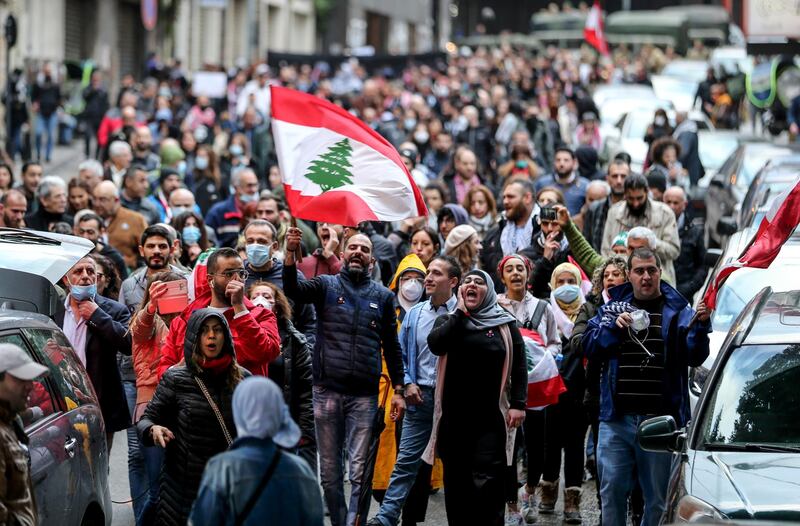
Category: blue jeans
[618,455]
[48,125]
[417,426]
[137,476]
[342,419]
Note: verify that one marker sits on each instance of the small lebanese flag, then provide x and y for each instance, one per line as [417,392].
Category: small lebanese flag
[593,30]
[776,227]
[544,381]
[335,168]
[198,281]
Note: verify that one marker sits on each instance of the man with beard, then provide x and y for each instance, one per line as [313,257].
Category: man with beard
[256,340]
[142,142]
[639,210]
[438,157]
[347,369]
[514,232]
[548,250]
[156,249]
[565,177]
[12,209]
[595,219]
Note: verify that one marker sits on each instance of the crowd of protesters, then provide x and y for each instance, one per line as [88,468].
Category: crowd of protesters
[526,230]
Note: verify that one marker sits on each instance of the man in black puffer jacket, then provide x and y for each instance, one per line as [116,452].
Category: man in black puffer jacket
[355,319]
[180,416]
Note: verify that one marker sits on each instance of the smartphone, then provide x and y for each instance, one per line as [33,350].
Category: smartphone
[176,297]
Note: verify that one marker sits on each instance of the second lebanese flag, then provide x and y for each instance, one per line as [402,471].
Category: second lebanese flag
[544,381]
[593,30]
[335,168]
[776,227]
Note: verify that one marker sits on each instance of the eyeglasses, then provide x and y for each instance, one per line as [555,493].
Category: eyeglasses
[641,271]
[228,274]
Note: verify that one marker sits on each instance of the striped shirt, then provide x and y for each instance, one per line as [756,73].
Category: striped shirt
[640,381]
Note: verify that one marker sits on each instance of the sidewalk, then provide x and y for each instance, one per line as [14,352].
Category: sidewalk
[65,160]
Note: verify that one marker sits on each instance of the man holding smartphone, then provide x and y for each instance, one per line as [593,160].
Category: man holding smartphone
[254,329]
[548,250]
[156,248]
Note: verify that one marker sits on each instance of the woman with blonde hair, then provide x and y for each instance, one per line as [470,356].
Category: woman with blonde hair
[464,244]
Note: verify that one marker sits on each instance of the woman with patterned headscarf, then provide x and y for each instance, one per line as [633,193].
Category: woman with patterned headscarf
[565,426]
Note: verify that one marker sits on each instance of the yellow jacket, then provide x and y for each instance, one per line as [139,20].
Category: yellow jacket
[387,449]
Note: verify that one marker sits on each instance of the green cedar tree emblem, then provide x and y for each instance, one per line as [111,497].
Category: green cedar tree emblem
[331,169]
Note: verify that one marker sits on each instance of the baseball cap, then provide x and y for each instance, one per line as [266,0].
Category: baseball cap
[17,363]
[409,153]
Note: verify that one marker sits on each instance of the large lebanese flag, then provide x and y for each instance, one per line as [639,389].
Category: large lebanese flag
[544,380]
[335,168]
[776,227]
[593,31]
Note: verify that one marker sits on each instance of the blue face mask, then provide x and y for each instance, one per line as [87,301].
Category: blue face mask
[191,235]
[567,293]
[258,255]
[249,198]
[182,168]
[201,163]
[83,292]
[236,150]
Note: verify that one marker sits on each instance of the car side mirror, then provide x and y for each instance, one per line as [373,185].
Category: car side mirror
[726,226]
[712,256]
[660,435]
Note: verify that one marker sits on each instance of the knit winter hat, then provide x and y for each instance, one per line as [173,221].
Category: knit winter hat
[458,235]
[620,240]
[171,154]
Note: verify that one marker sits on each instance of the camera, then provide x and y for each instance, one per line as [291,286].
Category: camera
[547,214]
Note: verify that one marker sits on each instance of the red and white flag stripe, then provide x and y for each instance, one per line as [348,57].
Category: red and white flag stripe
[544,381]
[593,31]
[776,227]
[335,168]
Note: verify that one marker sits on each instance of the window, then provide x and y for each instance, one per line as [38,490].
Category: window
[69,378]
[756,400]
[41,403]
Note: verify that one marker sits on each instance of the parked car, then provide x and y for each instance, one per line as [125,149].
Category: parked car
[739,457]
[736,291]
[628,134]
[68,450]
[694,70]
[727,188]
[775,177]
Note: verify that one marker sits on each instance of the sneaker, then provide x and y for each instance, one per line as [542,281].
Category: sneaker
[513,518]
[527,505]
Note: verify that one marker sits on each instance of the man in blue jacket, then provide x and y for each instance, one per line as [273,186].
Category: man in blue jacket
[420,366]
[646,341]
[355,319]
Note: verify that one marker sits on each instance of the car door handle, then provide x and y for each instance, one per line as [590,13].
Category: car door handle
[69,446]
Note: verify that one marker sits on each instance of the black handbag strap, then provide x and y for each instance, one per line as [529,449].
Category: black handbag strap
[260,489]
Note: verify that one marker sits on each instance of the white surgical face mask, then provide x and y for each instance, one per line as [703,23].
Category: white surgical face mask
[411,290]
[263,302]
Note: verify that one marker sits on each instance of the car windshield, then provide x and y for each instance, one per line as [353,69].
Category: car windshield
[754,160]
[745,283]
[756,400]
[689,70]
[715,148]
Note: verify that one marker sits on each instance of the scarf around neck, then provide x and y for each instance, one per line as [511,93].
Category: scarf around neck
[489,313]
